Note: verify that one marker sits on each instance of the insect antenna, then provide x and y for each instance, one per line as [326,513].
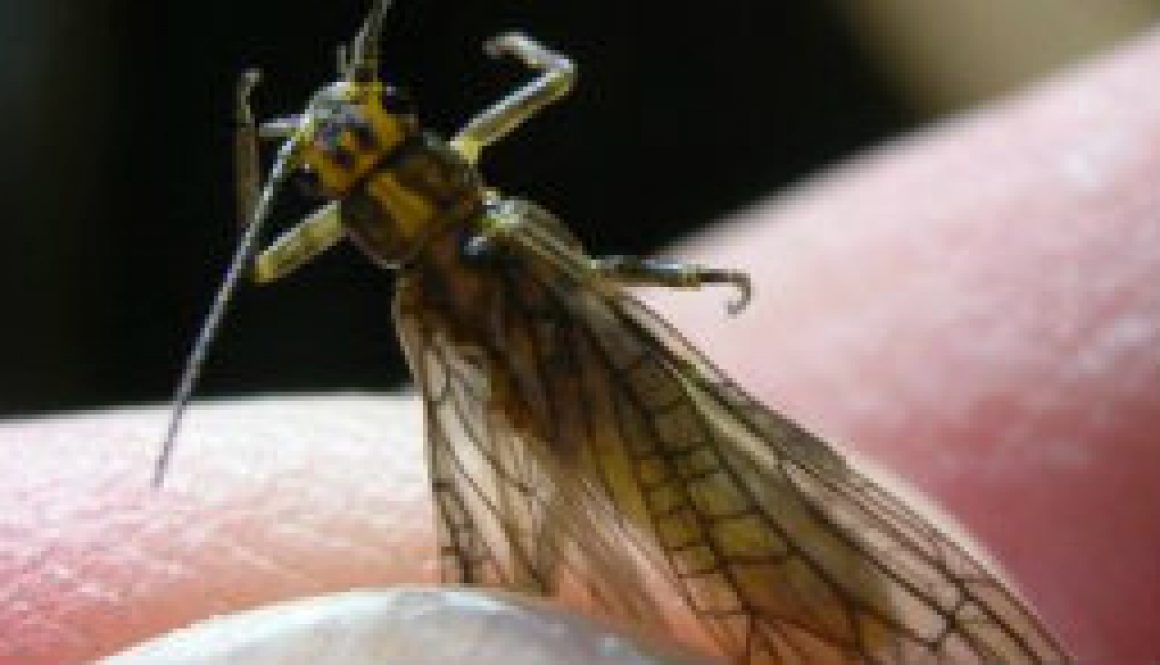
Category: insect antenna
[365,49]
[237,268]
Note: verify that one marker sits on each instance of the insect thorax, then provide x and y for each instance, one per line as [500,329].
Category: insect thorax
[397,184]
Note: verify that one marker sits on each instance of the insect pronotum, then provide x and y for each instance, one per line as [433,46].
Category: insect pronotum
[571,433]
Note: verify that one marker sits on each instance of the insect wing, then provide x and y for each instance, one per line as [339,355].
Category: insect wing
[511,513]
[576,440]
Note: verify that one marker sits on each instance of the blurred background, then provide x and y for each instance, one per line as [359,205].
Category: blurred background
[116,178]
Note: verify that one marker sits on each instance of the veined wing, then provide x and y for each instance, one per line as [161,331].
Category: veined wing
[577,439]
[512,510]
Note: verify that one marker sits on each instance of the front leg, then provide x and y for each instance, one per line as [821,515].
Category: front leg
[635,271]
[308,238]
[247,168]
[559,74]
[299,244]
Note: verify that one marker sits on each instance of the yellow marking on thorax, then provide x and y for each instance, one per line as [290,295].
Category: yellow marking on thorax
[410,211]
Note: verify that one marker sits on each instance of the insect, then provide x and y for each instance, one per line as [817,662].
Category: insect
[574,438]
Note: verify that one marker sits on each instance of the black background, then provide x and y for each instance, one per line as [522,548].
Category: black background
[118,177]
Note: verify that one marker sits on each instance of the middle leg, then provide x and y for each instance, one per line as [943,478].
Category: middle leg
[559,74]
[636,271]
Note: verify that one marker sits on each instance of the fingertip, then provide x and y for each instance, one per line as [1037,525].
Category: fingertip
[417,626]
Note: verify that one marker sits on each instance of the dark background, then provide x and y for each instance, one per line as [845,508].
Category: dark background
[117,175]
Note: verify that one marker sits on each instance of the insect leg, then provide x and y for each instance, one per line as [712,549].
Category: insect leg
[279,128]
[500,119]
[298,245]
[246,165]
[312,236]
[636,271]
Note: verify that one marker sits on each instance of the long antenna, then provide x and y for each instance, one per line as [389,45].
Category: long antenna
[365,51]
[209,328]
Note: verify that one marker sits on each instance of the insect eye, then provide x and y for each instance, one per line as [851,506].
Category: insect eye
[308,182]
[397,101]
[328,133]
[363,133]
[329,138]
[343,157]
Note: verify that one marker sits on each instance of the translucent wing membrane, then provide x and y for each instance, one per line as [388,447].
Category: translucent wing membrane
[512,511]
[576,441]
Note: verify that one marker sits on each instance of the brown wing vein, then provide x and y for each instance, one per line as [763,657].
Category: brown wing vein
[509,530]
[459,536]
[886,505]
[500,472]
[722,560]
[608,596]
[702,526]
[860,491]
[805,558]
[841,533]
[855,489]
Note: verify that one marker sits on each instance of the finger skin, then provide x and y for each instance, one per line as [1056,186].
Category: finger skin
[976,307]
[266,500]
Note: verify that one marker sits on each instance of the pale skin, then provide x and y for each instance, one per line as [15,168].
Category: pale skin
[977,309]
